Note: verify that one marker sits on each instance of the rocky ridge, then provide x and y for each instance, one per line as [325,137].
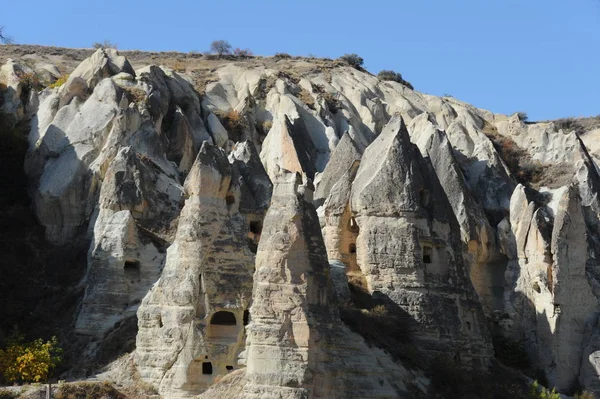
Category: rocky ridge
[203,226]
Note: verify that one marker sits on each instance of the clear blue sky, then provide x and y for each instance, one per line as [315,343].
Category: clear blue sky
[537,56]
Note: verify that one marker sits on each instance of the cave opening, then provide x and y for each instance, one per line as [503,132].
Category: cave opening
[223,318]
[352,248]
[207,368]
[426,254]
[131,268]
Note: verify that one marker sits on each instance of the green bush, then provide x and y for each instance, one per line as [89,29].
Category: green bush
[354,60]
[539,392]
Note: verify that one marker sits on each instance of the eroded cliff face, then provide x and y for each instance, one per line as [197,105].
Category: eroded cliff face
[229,205]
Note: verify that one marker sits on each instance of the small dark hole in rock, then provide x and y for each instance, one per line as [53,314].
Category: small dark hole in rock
[229,367]
[207,368]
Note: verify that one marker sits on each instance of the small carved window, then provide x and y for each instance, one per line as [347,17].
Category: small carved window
[427,255]
[352,248]
[229,199]
[207,368]
[131,268]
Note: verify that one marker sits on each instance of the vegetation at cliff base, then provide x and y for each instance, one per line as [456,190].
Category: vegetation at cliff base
[28,361]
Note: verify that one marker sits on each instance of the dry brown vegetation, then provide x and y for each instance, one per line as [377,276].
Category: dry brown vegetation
[88,390]
[526,171]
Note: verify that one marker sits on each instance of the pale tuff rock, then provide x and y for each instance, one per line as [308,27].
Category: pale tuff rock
[191,321]
[18,102]
[553,294]
[296,345]
[342,158]
[114,154]
[476,232]
[406,247]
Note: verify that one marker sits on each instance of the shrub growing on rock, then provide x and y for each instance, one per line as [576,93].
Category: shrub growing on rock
[354,60]
[394,77]
[105,44]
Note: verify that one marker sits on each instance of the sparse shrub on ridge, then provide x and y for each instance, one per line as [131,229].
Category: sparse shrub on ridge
[220,47]
[354,60]
[242,53]
[281,56]
[395,77]
[105,44]
[522,116]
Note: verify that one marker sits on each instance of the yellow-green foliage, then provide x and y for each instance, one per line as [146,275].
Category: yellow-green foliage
[538,392]
[60,81]
[23,361]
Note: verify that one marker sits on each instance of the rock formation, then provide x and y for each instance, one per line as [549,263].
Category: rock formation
[466,223]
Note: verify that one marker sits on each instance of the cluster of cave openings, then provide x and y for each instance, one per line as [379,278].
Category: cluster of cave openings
[131,269]
[223,324]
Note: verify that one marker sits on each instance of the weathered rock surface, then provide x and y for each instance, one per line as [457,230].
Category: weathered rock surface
[191,321]
[296,347]
[171,188]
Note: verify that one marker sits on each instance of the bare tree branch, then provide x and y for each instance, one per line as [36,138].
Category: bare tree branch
[4,38]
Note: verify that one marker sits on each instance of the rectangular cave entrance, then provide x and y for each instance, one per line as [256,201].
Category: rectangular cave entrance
[207,368]
[131,269]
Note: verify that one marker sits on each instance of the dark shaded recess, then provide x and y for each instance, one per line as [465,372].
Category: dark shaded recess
[38,281]
[246,317]
[307,153]
[223,318]
[117,341]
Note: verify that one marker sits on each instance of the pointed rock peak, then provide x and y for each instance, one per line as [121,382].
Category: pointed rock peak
[210,174]
[345,154]
[253,176]
[389,179]
[305,149]
[105,62]
[396,128]
[587,159]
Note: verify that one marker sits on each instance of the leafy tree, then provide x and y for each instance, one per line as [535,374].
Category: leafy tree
[220,47]
[23,361]
[4,38]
